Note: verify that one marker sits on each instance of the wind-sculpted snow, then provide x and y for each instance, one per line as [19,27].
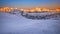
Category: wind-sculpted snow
[17,24]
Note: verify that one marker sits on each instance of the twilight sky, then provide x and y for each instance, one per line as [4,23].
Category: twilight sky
[30,3]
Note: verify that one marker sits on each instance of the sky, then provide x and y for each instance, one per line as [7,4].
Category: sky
[30,3]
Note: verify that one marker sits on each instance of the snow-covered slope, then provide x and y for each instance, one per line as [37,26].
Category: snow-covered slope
[44,15]
[13,24]
[37,16]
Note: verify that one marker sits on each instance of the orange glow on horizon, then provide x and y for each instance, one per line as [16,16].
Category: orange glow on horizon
[57,9]
[7,9]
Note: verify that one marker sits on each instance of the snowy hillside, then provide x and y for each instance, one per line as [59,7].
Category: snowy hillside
[38,16]
[17,24]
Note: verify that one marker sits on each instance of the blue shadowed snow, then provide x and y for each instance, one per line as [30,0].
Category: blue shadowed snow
[12,24]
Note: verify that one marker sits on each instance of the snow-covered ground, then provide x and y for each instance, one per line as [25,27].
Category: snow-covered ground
[17,24]
[37,16]
[43,15]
